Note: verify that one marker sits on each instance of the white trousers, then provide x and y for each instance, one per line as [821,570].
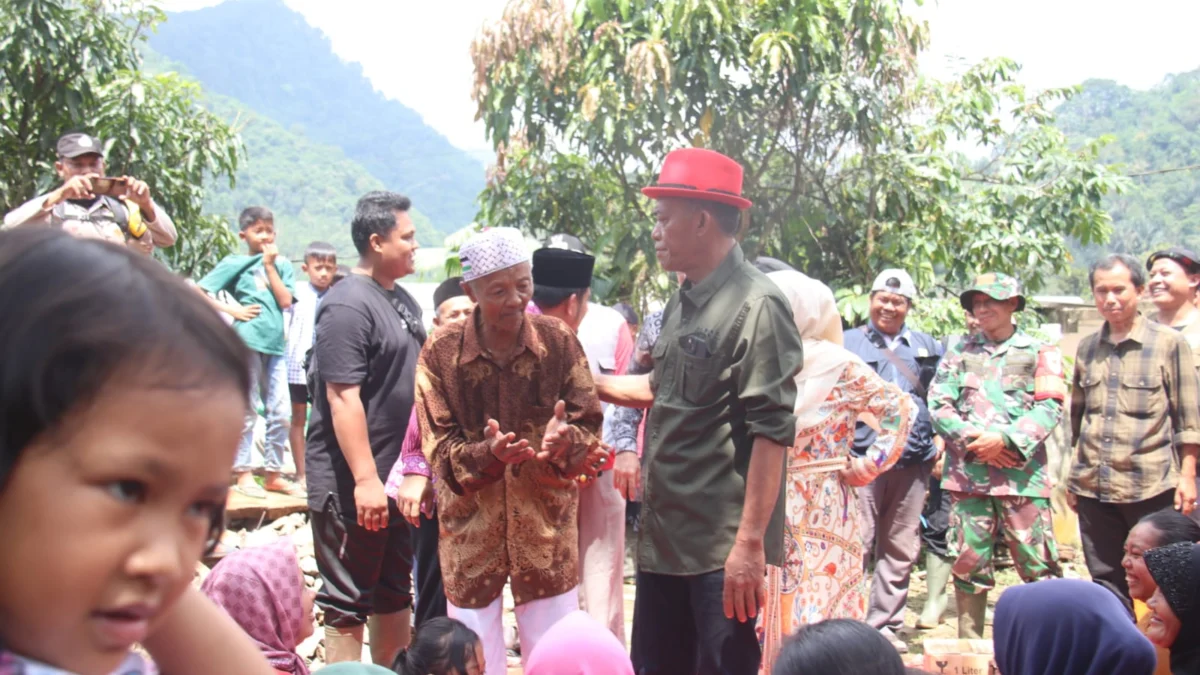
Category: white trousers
[602,554]
[533,620]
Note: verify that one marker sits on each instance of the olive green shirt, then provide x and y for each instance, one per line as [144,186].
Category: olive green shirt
[723,374]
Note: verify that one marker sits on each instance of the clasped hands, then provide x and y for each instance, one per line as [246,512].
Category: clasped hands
[989,447]
[557,442]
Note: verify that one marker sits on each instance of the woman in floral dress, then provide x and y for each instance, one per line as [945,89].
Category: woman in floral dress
[822,577]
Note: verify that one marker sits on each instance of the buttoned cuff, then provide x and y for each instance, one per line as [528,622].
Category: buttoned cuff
[415,466]
[1012,444]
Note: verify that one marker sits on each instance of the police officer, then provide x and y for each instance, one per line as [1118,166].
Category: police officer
[90,204]
[995,399]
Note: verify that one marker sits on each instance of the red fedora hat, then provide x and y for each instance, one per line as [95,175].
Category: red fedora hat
[696,173]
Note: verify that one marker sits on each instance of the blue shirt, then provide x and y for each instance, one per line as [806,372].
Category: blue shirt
[921,354]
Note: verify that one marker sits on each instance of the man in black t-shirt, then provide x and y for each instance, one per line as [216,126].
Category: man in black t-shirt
[368,336]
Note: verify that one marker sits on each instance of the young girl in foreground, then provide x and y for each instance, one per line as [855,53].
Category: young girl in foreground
[121,400]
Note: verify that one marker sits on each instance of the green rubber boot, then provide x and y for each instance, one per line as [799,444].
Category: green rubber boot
[937,574]
[972,612]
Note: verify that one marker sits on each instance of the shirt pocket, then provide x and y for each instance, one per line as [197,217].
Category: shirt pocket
[1092,382]
[1017,378]
[970,388]
[701,380]
[658,354]
[1141,396]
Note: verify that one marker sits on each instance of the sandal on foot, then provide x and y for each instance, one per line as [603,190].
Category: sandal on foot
[253,491]
[288,488]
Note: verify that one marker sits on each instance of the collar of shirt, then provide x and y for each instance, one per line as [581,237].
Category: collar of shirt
[1136,334]
[699,294]
[891,341]
[1019,338]
[473,348]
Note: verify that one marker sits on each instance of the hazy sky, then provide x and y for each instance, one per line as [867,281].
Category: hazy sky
[417,51]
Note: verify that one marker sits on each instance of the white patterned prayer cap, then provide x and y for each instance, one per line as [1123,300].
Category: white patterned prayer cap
[492,250]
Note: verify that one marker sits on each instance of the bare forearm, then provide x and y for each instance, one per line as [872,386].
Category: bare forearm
[198,638]
[762,489]
[1187,463]
[282,295]
[630,391]
[350,428]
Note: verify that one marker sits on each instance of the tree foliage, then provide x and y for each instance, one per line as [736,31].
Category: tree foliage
[853,160]
[1155,133]
[73,65]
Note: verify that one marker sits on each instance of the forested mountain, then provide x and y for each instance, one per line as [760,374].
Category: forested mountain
[268,58]
[311,187]
[1152,131]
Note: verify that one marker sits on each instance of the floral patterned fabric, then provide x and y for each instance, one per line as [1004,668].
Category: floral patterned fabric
[822,577]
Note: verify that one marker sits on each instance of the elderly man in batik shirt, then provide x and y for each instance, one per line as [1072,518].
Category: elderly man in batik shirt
[510,420]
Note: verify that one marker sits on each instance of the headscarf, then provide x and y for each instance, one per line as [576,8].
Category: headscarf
[820,326]
[1068,627]
[1176,570]
[260,589]
[578,645]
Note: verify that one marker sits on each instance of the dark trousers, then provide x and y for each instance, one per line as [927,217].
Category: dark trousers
[679,628]
[362,572]
[431,596]
[935,519]
[1103,527]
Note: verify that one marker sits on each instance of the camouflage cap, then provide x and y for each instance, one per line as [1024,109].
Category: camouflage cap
[996,286]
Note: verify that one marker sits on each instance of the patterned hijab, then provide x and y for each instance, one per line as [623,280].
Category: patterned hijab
[260,588]
[1176,570]
[1068,627]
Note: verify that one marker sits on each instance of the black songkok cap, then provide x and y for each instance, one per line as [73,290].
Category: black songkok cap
[561,268]
[450,288]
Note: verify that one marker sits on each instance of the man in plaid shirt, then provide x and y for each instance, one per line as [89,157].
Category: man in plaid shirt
[1135,414]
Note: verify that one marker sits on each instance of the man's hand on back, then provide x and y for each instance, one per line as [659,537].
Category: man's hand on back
[627,475]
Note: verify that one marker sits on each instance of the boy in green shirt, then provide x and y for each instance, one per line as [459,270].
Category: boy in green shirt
[261,283]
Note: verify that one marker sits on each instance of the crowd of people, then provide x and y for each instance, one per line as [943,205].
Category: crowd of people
[782,472]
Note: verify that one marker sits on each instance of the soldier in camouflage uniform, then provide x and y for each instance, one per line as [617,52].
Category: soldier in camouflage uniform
[995,399]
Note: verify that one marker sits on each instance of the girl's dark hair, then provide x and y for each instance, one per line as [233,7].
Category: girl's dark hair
[1173,527]
[838,647]
[78,313]
[441,646]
